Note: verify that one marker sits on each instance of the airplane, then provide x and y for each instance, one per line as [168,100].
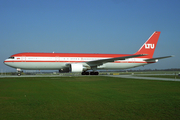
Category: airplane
[81,62]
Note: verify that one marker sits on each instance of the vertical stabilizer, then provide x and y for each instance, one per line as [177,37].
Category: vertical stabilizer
[150,45]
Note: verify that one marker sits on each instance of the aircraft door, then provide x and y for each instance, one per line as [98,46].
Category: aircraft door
[23,58]
[57,58]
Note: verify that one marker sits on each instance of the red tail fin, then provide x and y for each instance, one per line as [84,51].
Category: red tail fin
[150,45]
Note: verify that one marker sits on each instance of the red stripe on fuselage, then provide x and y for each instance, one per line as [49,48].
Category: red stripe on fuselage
[68,55]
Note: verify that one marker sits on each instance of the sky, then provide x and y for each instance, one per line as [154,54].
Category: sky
[90,26]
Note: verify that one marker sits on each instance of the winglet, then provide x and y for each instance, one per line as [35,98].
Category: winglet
[150,45]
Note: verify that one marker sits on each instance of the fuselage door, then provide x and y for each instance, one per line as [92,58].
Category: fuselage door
[57,58]
[23,58]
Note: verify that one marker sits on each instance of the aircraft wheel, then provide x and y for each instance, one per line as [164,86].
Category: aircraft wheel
[85,73]
[19,74]
[96,73]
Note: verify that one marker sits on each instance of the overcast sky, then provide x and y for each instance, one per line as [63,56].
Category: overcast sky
[90,26]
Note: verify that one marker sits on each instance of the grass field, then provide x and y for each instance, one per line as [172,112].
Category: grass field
[92,97]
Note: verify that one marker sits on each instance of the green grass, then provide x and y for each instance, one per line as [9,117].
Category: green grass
[91,97]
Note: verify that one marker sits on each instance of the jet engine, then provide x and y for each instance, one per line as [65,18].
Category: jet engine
[64,70]
[77,68]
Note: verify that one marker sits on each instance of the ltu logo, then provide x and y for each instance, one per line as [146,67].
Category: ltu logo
[149,46]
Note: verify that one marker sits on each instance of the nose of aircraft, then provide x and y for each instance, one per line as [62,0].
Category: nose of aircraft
[5,62]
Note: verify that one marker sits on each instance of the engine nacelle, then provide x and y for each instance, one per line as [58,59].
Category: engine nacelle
[64,70]
[77,68]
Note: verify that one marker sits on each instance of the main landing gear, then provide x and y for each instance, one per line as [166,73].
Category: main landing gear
[90,73]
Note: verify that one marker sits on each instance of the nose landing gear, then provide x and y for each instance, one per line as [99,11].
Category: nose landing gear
[19,72]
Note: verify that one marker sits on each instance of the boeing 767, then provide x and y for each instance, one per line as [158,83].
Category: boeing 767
[81,62]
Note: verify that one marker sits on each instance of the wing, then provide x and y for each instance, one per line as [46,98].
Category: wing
[102,61]
[154,59]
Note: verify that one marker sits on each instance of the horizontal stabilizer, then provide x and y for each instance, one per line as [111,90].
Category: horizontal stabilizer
[154,59]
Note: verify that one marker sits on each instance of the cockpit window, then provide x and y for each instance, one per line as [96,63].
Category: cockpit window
[11,57]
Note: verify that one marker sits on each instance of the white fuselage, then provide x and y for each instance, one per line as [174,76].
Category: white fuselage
[56,63]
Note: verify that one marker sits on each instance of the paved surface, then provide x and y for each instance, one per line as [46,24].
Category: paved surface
[144,78]
[120,76]
[11,76]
